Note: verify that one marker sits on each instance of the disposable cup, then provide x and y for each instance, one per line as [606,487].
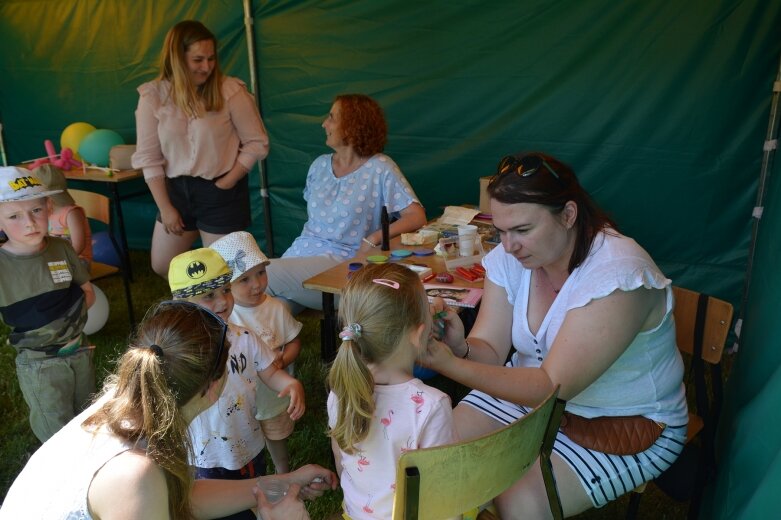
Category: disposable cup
[467,229]
[466,245]
[275,489]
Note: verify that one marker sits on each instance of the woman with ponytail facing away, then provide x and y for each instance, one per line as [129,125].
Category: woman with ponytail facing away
[126,456]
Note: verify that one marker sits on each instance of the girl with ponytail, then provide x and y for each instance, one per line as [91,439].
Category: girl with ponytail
[377,409]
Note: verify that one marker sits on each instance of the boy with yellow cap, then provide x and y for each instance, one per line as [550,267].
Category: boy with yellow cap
[227,440]
[44,296]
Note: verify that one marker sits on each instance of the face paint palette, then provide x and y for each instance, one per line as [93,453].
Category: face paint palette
[401,253]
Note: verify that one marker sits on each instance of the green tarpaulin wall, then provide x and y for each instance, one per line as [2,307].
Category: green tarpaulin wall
[661,107]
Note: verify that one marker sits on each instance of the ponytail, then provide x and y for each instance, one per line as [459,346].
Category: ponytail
[351,380]
[378,307]
[171,360]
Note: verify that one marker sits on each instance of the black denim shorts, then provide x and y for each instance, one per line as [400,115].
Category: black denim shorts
[205,207]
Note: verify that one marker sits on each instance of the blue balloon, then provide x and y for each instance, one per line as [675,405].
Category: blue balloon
[103,250]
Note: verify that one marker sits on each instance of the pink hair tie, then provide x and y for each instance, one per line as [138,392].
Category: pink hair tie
[351,332]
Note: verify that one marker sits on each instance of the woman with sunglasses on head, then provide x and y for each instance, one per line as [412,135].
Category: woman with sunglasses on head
[126,456]
[583,307]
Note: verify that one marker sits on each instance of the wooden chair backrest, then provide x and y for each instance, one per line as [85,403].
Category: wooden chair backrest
[445,481]
[96,206]
[718,319]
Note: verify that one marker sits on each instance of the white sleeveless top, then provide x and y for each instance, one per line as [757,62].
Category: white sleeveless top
[55,481]
[647,378]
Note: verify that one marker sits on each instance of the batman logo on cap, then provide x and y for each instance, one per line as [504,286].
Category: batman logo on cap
[21,183]
[196,269]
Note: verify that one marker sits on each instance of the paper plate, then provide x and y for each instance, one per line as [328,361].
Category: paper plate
[401,253]
[423,252]
[377,259]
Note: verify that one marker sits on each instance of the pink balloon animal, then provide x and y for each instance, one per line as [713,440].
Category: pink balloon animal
[63,161]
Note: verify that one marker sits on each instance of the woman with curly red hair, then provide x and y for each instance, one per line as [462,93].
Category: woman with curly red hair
[345,193]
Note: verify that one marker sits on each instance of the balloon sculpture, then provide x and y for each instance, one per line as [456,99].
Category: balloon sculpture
[81,141]
[64,160]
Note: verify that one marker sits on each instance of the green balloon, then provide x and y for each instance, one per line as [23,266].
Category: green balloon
[95,146]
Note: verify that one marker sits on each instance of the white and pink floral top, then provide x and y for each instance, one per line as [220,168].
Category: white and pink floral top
[408,416]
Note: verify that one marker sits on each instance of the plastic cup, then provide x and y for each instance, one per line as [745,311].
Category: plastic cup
[466,245]
[275,489]
[467,229]
[467,234]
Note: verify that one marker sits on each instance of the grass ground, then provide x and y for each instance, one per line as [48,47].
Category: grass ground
[308,444]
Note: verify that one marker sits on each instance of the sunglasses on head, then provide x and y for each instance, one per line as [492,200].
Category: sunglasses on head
[208,316]
[525,166]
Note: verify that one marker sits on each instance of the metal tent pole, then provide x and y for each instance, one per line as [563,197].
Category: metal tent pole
[2,146]
[264,193]
[768,153]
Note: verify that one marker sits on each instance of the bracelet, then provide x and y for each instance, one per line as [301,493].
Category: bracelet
[368,242]
[468,348]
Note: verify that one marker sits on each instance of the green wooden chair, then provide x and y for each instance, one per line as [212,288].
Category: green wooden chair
[446,481]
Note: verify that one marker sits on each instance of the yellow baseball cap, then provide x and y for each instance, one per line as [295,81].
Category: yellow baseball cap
[198,271]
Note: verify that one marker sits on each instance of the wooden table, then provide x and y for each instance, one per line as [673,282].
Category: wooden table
[331,282]
[112,182]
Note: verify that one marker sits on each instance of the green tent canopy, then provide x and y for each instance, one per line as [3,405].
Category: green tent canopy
[661,107]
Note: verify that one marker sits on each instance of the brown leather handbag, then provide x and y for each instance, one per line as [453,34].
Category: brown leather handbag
[625,435]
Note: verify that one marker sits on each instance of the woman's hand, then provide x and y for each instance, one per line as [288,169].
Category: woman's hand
[172,220]
[313,479]
[226,182]
[368,243]
[289,508]
[448,327]
[436,356]
[229,180]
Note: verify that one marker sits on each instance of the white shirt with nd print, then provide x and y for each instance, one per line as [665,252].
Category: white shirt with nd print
[227,435]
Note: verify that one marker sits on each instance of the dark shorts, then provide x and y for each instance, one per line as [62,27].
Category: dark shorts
[205,207]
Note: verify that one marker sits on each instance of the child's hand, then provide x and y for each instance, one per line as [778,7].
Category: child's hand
[296,392]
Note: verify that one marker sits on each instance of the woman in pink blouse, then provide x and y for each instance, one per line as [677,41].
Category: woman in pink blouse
[198,134]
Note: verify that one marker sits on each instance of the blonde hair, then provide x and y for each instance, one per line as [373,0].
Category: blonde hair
[172,359]
[385,314]
[192,100]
